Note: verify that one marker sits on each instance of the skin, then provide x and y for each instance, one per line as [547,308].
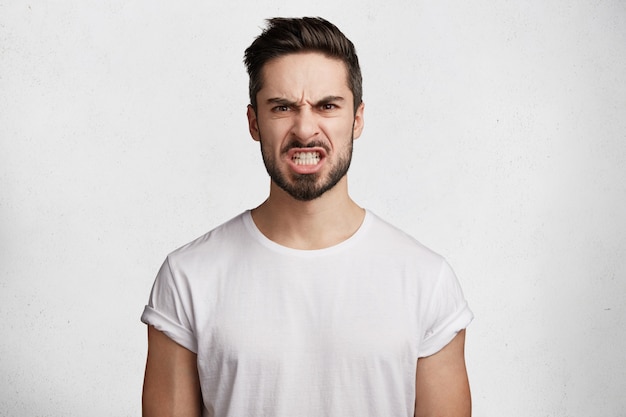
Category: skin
[293,116]
[171,384]
[305,99]
[441,384]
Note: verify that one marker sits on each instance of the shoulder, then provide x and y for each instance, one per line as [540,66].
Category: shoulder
[222,238]
[390,239]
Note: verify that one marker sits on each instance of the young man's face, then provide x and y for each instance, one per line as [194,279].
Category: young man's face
[305,122]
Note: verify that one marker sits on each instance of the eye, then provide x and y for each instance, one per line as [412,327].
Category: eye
[328,106]
[279,109]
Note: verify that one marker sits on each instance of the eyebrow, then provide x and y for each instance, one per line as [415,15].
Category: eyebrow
[285,102]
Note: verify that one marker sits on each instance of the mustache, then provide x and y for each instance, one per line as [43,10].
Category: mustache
[312,144]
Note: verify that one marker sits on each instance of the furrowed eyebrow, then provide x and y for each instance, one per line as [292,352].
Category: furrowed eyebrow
[281,101]
[284,102]
[329,99]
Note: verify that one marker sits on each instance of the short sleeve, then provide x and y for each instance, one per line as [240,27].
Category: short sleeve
[166,309]
[448,313]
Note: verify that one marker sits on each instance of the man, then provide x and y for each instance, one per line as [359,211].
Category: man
[307,305]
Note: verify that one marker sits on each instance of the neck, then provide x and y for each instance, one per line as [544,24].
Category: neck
[316,224]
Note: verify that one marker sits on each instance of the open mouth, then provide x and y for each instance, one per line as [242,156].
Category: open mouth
[306,158]
[309,160]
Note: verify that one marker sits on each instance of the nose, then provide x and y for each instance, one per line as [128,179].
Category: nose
[305,126]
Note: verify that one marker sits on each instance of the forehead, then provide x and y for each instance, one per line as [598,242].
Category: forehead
[304,74]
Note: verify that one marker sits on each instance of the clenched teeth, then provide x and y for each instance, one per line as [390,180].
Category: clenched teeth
[306,158]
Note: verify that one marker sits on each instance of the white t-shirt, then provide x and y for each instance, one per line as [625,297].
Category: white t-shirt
[287,332]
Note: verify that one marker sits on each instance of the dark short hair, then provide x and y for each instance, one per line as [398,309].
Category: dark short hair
[284,36]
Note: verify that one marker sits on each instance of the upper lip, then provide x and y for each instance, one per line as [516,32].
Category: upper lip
[320,150]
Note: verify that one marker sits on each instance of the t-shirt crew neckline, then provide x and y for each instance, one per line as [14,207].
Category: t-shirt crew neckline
[276,247]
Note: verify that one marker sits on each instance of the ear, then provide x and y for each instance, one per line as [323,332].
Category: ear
[357,127]
[253,124]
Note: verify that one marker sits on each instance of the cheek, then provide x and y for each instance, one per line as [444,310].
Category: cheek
[275,130]
[339,132]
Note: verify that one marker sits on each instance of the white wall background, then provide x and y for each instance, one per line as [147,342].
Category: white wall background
[495,134]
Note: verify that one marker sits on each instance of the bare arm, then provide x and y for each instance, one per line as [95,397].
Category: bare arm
[441,385]
[171,385]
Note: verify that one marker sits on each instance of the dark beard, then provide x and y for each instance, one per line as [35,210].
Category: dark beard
[306,187]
